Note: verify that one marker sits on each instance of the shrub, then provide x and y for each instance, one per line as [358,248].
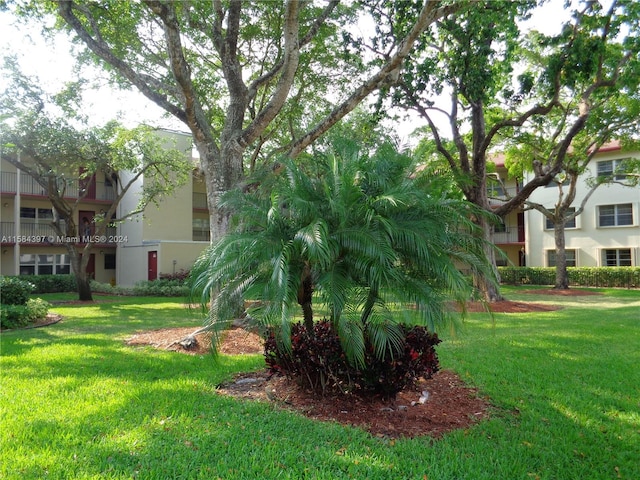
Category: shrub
[147,288]
[161,288]
[52,283]
[13,316]
[14,291]
[628,277]
[16,316]
[318,360]
[181,275]
[109,289]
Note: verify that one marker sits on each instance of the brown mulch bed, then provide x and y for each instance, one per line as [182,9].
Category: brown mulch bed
[450,404]
[507,306]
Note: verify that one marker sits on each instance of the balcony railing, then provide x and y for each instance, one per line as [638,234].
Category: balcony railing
[72,189]
[34,232]
[510,235]
[200,200]
[497,195]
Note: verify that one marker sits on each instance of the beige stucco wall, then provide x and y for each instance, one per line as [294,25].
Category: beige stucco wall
[587,238]
[133,260]
[172,219]
[131,263]
[183,253]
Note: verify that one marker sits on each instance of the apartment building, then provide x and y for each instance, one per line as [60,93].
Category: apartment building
[164,239]
[509,235]
[168,238]
[28,241]
[606,234]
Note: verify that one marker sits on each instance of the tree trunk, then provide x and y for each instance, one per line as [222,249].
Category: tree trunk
[562,276]
[79,267]
[490,290]
[305,297]
[477,195]
[223,172]
[84,287]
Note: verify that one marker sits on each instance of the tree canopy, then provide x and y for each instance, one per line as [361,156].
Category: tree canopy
[240,75]
[502,87]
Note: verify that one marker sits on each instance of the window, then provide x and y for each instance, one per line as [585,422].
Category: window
[27,264]
[41,215]
[494,188]
[549,224]
[569,254]
[616,257]
[109,261]
[500,227]
[26,212]
[607,168]
[200,229]
[63,264]
[45,264]
[615,215]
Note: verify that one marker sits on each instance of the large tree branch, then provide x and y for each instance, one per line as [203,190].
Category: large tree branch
[424,113]
[387,75]
[144,83]
[306,39]
[195,116]
[291,59]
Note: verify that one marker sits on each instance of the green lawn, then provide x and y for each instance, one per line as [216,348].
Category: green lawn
[75,402]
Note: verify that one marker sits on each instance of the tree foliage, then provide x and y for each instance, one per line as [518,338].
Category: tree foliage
[248,79]
[500,86]
[364,236]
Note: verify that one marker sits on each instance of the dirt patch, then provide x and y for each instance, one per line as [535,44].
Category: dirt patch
[448,405]
[434,407]
[236,341]
[569,292]
[507,306]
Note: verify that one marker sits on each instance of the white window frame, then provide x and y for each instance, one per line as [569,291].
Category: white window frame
[36,260]
[603,259]
[546,221]
[549,252]
[634,217]
[615,165]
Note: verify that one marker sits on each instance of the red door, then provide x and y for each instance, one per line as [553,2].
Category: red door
[520,226]
[152,262]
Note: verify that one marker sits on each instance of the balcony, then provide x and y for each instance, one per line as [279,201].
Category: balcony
[509,235]
[91,190]
[497,195]
[41,233]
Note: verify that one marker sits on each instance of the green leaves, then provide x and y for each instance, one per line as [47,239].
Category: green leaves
[360,236]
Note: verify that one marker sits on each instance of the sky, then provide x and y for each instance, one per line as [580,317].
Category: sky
[52,62]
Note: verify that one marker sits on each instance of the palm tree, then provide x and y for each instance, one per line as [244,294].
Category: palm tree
[359,235]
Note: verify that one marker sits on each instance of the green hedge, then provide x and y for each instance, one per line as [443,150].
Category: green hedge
[627,277]
[151,288]
[15,291]
[51,283]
